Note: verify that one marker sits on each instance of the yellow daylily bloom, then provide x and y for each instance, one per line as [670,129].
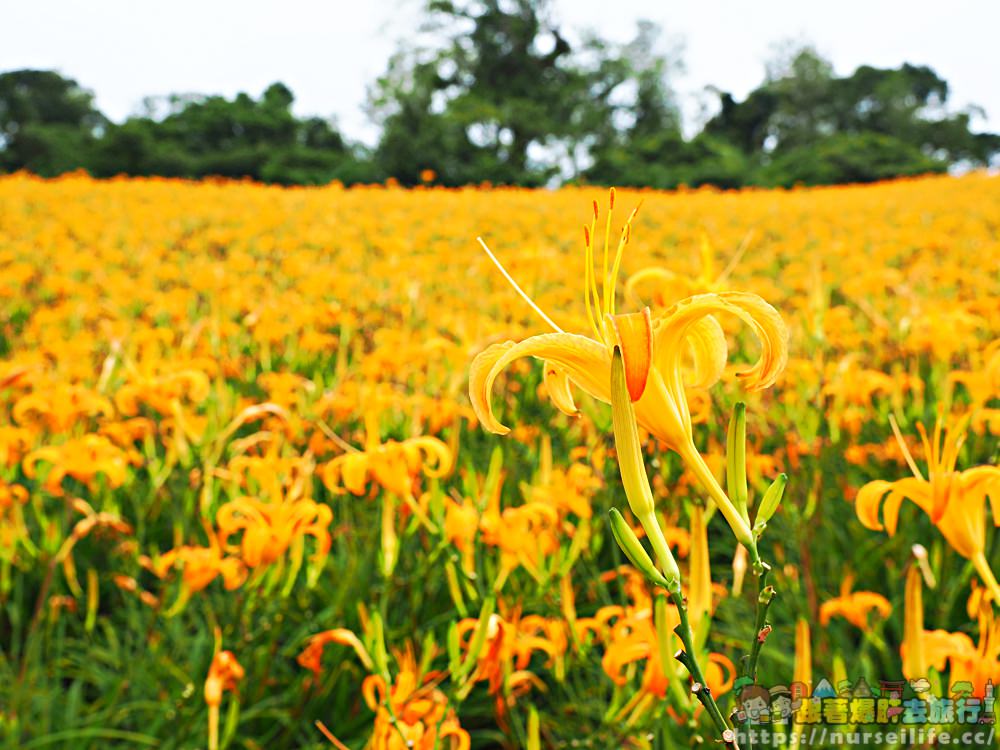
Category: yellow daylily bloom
[854,606]
[974,663]
[394,465]
[681,346]
[269,529]
[411,712]
[954,500]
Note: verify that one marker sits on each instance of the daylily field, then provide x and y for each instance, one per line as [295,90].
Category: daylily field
[254,491]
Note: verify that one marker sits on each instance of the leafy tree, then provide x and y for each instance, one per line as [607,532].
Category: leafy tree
[848,157]
[260,139]
[649,147]
[805,124]
[507,98]
[48,123]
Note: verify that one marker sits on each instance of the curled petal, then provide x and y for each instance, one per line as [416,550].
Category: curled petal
[48,453]
[671,285]
[870,497]
[557,384]
[985,480]
[674,326]
[585,361]
[460,735]
[709,351]
[871,600]
[913,489]
[373,690]
[720,673]
[437,455]
[868,501]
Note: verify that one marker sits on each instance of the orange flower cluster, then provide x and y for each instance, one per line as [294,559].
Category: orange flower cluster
[222,387]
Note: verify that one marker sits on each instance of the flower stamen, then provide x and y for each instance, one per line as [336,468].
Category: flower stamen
[518,289]
[906,451]
[590,283]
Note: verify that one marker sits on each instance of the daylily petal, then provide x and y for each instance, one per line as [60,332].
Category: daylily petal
[910,488]
[868,501]
[586,362]
[709,351]
[354,472]
[674,325]
[557,384]
[984,479]
[438,459]
[635,338]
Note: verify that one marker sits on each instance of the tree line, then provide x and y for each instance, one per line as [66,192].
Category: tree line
[505,95]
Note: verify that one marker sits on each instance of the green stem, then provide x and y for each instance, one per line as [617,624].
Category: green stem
[765,595]
[689,658]
[741,529]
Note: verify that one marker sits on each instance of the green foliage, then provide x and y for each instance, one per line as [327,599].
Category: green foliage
[506,96]
[864,157]
[47,122]
[48,125]
[804,124]
[506,99]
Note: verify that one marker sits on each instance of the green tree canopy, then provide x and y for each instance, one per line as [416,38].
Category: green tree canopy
[506,97]
[500,92]
[805,124]
[47,122]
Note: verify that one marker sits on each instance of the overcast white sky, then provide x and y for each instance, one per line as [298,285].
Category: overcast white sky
[328,51]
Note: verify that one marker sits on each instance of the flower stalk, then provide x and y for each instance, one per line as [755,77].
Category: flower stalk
[640,499]
[699,687]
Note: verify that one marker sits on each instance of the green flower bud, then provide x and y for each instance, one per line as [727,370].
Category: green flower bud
[633,471]
[634,550]
[736,459]
[769,504]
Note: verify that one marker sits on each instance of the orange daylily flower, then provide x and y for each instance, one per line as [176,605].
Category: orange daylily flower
[162,392]
[506,654]
[311,656]
[656,353]
[461,524]
[854,606]
[975,663]
[630,635]
[201,566]
[412,714]
[12,528]
[270,528]
[60,406]
[223,674]
[82,459]
[14,443]
[393,465]
[954,500]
